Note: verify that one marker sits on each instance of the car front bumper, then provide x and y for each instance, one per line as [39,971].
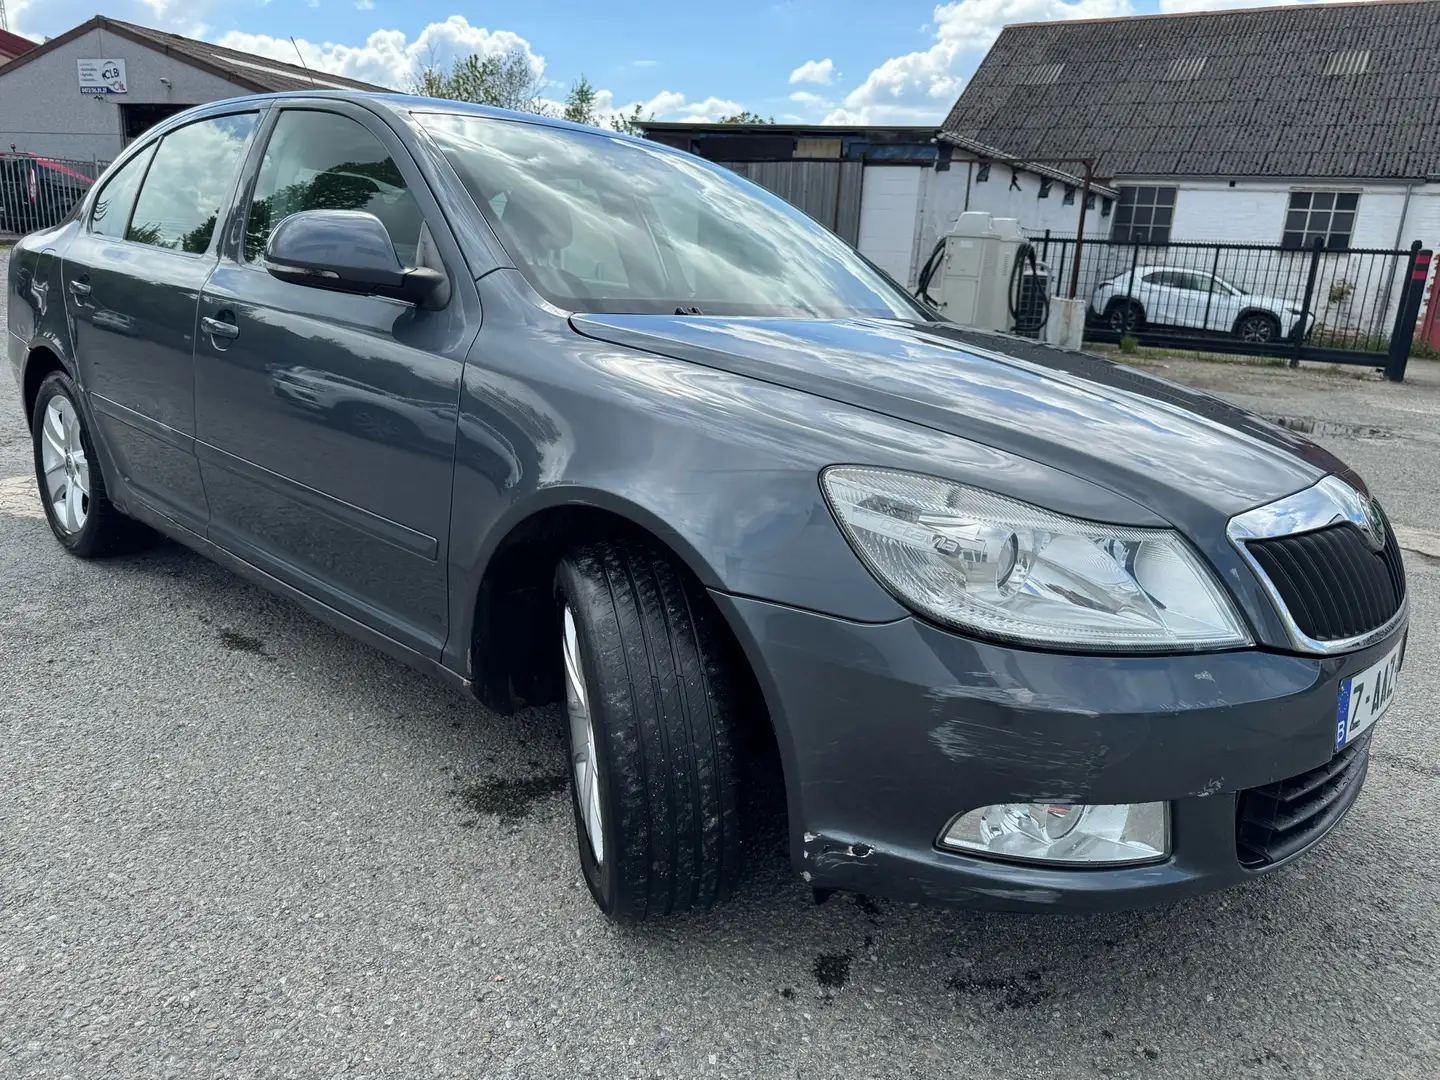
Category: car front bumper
[888,731]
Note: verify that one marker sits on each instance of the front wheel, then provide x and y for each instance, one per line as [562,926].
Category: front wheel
[1124,316]
[652,713]
[1257,327]
[71,487]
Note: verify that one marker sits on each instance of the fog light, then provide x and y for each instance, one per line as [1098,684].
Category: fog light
[1064,832]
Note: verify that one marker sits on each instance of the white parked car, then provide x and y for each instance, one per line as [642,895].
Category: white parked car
[1193,299]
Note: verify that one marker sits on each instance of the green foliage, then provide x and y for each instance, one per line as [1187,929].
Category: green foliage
[505,80]
[630,122]
[745,116]
[580,103]
[1129,344]
[1340,291]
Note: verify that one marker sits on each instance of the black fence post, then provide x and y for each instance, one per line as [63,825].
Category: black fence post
[1302,327]
[1210,293]
[1130,291]
[1413,291]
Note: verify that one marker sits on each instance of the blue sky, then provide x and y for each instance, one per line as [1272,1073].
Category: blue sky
[841,61]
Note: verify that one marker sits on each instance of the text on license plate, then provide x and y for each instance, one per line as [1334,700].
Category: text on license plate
[1365,697]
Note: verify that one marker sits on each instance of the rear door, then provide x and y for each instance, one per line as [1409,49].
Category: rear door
[132,278]
[327,421]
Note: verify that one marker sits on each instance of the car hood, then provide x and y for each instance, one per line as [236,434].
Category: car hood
[1185,455]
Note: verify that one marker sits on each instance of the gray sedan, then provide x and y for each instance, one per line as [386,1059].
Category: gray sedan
[560,415]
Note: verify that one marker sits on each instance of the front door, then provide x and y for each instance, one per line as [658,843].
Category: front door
[327,420]
[132,278]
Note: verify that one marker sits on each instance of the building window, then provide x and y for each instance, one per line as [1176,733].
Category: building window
[1045,188]
[982,172]
[1069,199]
[1090,201]
[1328,216]
[1105,207]
[1143,215]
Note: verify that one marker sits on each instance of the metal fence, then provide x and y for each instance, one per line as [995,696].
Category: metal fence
[37,192]
[1342,306]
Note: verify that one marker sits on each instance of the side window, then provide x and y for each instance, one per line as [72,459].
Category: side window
[1159,277]
[185,189]
[324,161]
[111,211]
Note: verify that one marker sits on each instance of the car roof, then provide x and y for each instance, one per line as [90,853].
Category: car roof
[405,104]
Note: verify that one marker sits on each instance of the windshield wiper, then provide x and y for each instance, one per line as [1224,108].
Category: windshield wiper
[688,309]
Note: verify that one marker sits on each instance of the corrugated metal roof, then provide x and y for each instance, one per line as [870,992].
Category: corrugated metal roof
[1324,90]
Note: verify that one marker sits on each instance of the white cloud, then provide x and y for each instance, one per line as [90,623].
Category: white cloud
[816,71]
[388,57]
[921,86]
[804,97]
[365,5]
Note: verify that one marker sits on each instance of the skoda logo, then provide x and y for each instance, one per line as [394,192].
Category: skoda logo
[1372,525]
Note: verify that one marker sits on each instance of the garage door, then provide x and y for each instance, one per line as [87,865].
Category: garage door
[889,201]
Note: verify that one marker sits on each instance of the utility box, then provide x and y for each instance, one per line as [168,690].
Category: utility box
[977,273]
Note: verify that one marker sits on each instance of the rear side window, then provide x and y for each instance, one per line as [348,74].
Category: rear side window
[185,190]
[111,212]
[324,161]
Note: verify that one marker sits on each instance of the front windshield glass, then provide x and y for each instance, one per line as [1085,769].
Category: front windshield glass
[598,223]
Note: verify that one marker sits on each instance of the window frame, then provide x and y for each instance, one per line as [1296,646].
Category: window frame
[415,181]
[130,159]
[150,143]
[1122,223]
[1303,235]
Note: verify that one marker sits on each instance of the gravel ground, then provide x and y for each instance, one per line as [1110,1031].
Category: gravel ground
[234,843]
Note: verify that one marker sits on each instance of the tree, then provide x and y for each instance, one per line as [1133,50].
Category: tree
[505,80]
[745,116]
[630,122]
[580,103]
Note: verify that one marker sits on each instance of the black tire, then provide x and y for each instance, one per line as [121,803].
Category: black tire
[1124,316]
[663,711]
[1258,326]
[105,531]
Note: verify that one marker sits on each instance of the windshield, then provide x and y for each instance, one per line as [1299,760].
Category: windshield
[603,224]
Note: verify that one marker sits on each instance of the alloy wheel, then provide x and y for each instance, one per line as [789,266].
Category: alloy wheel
[1257,328]
[582,743]
[67,471]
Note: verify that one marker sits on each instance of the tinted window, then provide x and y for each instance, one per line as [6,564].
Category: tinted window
[111,212]
[600,223]
[188,182]
[323,161]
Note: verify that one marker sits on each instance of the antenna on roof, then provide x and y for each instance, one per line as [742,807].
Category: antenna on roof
[297,53]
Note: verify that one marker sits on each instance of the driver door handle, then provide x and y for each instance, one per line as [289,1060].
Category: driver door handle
[79,288]
[220,328]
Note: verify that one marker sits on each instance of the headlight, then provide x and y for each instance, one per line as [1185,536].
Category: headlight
[1006,569]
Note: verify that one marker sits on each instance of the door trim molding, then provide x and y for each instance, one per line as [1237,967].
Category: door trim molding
[372,524]
[346,513]
[154,428]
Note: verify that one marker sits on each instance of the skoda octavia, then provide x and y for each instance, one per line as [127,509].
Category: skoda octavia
[561,415]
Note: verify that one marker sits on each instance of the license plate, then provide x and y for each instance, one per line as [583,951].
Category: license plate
[1365,697]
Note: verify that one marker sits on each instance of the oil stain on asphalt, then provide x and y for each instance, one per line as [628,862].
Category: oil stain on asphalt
[510,798]
[238,642]
[832,969]
[1023,993]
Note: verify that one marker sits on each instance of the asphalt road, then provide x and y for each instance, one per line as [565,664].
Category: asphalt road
[234,843]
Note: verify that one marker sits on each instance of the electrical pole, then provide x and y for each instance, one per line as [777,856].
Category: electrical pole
[4,22]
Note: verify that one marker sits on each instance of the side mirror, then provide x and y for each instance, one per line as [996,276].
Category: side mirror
[347,251]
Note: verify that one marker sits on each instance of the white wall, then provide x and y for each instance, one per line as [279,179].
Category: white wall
[889,202]
[43,112]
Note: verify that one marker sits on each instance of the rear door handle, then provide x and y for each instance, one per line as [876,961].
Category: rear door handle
[79,288]
[220,328]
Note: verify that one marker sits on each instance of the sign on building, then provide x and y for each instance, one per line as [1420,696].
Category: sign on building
[102,77]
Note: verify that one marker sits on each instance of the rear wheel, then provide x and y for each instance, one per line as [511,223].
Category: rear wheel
[71,487]
[1257,326]
[1124,316]
[652,733]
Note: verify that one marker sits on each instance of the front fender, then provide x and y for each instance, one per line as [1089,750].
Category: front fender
[722,467]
